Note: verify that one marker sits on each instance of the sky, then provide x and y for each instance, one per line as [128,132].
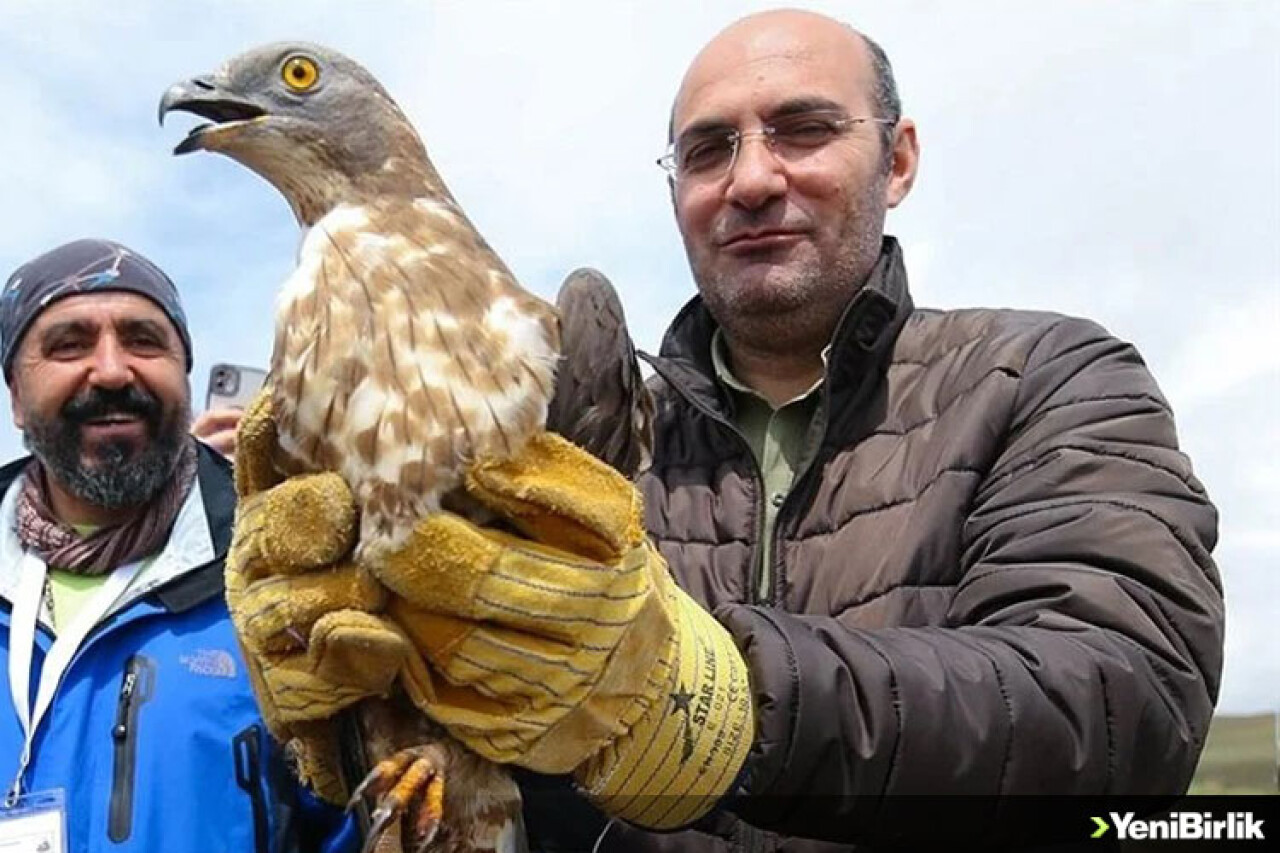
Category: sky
[1117,160]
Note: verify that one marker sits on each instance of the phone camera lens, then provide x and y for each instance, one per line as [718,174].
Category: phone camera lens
[223,381]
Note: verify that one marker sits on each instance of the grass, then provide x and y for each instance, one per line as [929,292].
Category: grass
[1239,757]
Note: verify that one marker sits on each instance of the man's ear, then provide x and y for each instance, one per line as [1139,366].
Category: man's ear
[906,160]
[15,406]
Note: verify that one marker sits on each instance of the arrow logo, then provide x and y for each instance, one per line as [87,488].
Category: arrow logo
[1103,826]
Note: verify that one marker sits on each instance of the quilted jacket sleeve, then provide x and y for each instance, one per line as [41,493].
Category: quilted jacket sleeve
[1081,653]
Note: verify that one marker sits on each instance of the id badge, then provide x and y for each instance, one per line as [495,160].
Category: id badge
[36,823]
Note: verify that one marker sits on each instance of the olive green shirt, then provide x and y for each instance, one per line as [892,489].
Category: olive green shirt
[777,439]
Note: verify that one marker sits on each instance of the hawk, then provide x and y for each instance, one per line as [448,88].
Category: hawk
[404,346]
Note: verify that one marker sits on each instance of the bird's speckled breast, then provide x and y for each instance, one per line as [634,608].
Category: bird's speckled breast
[404,348]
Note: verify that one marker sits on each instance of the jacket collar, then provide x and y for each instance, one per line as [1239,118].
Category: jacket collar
[863,338]
[189,568]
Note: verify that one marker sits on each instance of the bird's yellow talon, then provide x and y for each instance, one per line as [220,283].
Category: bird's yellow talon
[432,810]
[408,778]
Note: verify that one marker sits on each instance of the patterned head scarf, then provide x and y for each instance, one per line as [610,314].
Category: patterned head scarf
[79,267]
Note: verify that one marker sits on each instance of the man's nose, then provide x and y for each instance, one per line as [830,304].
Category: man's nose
[757,174]
[110,367]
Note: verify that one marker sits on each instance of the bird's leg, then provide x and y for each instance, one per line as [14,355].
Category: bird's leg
[430,812]
[410,781]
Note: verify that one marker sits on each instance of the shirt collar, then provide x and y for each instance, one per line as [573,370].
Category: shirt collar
[720,363]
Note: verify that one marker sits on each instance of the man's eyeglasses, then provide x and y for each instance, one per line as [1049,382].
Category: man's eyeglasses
[710,155]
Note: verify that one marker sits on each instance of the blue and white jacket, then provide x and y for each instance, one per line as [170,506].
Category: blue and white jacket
[154,734]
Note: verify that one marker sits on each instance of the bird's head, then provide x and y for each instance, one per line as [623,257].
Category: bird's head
[314,123]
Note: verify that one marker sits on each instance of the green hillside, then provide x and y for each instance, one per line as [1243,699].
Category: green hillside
[1239,757]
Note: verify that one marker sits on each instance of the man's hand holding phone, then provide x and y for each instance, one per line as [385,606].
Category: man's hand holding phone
[217,428]
[231,387]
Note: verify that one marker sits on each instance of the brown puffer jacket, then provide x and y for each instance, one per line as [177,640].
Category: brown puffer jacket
[993,577]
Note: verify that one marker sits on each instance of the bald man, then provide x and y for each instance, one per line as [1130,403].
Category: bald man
[961,551]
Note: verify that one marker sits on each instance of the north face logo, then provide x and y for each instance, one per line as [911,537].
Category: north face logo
[214,662]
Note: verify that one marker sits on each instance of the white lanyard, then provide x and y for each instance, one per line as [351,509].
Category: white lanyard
[22,639]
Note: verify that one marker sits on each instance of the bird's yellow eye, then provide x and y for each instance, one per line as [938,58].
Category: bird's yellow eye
[300,73]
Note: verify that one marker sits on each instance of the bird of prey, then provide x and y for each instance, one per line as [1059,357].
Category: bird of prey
[404,349]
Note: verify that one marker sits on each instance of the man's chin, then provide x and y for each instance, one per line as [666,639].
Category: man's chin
[101,454]
[763,290]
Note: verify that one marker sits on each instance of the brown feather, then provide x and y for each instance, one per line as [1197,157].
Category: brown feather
[601,401]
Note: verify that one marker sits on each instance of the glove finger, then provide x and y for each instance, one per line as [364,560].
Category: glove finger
[277,613]
[534,671]
[440,567]
[299,694]
[256,441]
[358,650]
[454,567]
[540,592]
[561,495]
[305,523]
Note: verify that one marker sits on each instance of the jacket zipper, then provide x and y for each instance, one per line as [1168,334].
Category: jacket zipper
[756,568]
[821,420]
[248,757]
[135,691]
[777,578]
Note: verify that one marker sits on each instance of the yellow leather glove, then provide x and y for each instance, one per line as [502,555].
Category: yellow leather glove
[306,616]
[570,648]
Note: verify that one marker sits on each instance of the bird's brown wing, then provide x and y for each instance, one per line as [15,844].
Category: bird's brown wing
[601,402]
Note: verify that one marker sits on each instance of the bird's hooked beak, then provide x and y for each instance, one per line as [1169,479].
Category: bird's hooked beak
[227,112]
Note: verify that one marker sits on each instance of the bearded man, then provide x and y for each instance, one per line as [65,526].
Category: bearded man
[133,726]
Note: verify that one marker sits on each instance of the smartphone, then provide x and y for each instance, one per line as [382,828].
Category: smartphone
[232,386]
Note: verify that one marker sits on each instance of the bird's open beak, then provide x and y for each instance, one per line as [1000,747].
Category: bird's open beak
[203,96]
